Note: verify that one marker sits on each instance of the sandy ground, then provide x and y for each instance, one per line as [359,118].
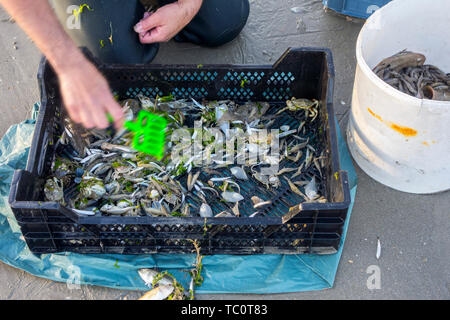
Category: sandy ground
[413,229]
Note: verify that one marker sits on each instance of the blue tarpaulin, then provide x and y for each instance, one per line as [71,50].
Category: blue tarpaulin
[355,8]
[222,273]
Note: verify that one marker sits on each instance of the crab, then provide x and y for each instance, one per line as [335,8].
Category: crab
[92,188]
[310,107]
[275,182]
[54,190]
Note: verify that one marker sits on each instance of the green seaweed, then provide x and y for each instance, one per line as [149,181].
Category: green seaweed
[77,13]
[168,98]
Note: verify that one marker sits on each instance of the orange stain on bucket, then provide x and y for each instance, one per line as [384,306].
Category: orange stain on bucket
[407,132]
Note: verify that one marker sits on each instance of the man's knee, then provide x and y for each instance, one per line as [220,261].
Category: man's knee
[218,22]
[227,27]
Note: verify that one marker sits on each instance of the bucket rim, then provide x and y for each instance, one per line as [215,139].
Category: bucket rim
[363,65]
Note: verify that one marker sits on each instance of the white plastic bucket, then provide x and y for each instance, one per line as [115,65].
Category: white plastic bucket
[399,140]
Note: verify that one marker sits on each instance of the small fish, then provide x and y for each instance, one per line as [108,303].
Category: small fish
[159,293]
[436,94]
[90,158]
[75,132]
[285,170]
[296,158]
[232,196]
[107,177]
[205,211]
[311,189]
[210,171]
[299,146]
[295,189]
[186,211]
[262,204]
[308,159]
[258,202]
[299,171]
[212,190]
[84,212]
[317,165]
[301,183]
[224,214]
[407,73]
[300,127]
[115,210]
[219,179]
[192,180]
[116,148]
[149,275]
[235,210]
[239,173]
[257,213]
[286,133]
[401,60]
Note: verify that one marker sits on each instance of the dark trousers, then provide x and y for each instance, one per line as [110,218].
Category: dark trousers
[107,30]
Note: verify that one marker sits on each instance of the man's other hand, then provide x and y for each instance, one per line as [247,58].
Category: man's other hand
[167,21]
[87,96]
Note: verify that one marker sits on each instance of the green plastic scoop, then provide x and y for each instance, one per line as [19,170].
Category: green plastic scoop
[149,133]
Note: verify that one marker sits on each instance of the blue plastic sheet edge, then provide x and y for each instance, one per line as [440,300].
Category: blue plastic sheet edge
[258,274]
[362,9]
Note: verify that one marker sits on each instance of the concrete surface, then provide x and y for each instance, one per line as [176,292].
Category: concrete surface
[413,229]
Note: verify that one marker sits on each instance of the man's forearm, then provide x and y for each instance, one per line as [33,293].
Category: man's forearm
[37,19]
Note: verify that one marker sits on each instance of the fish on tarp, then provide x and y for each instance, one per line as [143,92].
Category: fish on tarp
[149,276]
[159,293]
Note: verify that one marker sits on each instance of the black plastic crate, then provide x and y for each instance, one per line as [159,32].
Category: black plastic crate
[289,227]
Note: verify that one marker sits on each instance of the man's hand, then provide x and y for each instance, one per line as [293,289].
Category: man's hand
[167,21]
[87,96]
[85,92]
